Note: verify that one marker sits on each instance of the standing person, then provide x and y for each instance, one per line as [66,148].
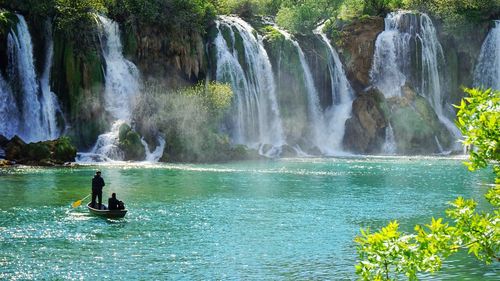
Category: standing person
[97,184]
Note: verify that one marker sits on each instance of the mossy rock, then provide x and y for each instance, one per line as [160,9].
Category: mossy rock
[130,142]
[14,148]
[36,151]
[365,129]
[416,127]
[44,153]
[78,80]
[64,150]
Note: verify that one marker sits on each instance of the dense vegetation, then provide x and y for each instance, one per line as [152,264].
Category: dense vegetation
[389,253]
[303,15]
[187,118]
[195,15]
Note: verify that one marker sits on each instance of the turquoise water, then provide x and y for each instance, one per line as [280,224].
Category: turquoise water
[274,220]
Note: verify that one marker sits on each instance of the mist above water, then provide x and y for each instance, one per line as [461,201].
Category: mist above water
[255,116]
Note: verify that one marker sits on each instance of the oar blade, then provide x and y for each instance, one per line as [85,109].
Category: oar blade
[76,203]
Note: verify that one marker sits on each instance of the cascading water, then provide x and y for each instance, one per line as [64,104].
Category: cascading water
[390,146]
[342,94]
[9,113]
[256,119]
[391,68]
[408,52]
[121,88]
[157,153]
[122,76]
[322,136]
[487,72]
[50,105]
[38,108]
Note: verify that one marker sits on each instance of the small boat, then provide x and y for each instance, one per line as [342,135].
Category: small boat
[105,213]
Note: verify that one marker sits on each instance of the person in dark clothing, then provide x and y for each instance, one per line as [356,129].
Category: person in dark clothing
[115,204]
[97,184]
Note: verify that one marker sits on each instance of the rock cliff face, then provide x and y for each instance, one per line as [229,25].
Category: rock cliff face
[365,130]
[417,129]
[46,153]
[356,44]
[176,59]
[78,81]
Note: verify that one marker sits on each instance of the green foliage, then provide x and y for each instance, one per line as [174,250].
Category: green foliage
[351,9]
[172,15]
[389,253]
[458,14]
[247,8]
[479,120]
[188,119]
[215,97]
[36,8]
[71,15]
[130,142]
[37,151]
[303,16]
[64,150]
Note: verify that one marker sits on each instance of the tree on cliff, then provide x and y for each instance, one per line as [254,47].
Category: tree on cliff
[389,253]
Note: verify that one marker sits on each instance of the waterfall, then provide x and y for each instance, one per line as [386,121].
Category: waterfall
[322,136]
[122,85]
[390,61]
[35,117]
[9,114]
[390,146]
[122,76]
[49,103]
[256,119]
[22,75]
[408,52]
[487,72]
[342,94]
[157,153]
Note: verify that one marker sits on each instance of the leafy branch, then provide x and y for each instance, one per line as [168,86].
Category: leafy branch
[388,253]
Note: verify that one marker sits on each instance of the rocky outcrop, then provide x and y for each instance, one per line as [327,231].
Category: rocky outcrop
[78,80]
[417,129]
[46,153]
[130,143]
[365,130]
[177,59]
[356,45]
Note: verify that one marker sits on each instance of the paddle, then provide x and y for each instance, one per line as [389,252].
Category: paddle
[77,203]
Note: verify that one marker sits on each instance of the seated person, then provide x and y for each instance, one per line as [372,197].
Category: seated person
[115,204]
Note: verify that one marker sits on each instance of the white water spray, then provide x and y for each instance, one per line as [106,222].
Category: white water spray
[342,94]
[50,105]
[9,114]
[389,146]
[122,76]
[256,117]
[487,72]
[22,73]
[393,67]
[121,88]
[322,136]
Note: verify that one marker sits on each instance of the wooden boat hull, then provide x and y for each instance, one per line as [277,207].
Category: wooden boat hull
[105,213]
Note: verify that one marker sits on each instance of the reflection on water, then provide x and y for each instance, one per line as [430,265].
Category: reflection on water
[287,219]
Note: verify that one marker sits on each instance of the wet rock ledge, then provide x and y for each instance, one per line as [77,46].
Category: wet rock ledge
[45,153]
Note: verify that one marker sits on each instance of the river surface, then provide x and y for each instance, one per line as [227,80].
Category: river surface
[291,219]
